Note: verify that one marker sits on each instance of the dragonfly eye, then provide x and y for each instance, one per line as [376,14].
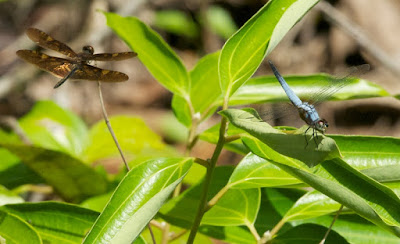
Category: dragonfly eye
[88,49]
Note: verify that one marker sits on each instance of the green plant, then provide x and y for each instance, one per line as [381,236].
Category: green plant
[261,199]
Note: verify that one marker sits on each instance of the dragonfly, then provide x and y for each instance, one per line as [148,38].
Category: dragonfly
[76,66]
[307,111]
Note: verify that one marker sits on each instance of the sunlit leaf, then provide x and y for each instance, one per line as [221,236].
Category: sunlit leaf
[70,177]
[52,127]
[137,199]
[244,51]
[153,52]
[15,230]
[55,222]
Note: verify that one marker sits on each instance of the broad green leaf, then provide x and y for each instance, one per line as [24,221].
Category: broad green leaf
[211,135]
[274,201]
[244,51]
[18,174]
[295,145]
[254,171]
[97,203]
[55,222]
[50,126]
[267,89]
[181,110]
[176,22]
[220,21]
[229,234]
[308,233]
[236,207]
[312,204]
[181,210]
[70,177]
[153,52]
[355,229]
[14,230]
[7,197]
[134,136]
[366,152]
[200,238]
[137,199]
[204,92]
[345,185]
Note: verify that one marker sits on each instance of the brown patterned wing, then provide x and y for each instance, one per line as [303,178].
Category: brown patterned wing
[88,72]
[113,56]
[46,41]
[57,66]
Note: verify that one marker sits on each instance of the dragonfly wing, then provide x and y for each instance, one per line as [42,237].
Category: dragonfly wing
[88,72]
[326,92]
[46,41]
[289,92]
[57,66]
[113,56]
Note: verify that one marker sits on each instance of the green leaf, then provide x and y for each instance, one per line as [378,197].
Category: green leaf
[18,174]
[343,184]
[153,51]
[71,178]
[134,136]
[254,171]
[137,199]
[236,207]
[244,51]
[355,229]
[7,197]
[50,126]
[266,89]
[220,21]
[97,203]
[308,233]
[211,135]
[229,234]
[176,22]
[296,145]
[55,222]
[365,152]
[312,204]
[13,230]
[204,92]
[158,234]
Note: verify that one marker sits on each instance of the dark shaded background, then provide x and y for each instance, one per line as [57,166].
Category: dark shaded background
[313,45]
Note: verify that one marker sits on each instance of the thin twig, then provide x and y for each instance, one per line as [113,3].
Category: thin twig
[117,144]
[330,227]
[109,126]
[353,30]
[13,124]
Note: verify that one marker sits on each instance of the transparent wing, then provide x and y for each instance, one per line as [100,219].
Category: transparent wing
[336,84]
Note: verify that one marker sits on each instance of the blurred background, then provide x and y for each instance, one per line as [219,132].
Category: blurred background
[332,37]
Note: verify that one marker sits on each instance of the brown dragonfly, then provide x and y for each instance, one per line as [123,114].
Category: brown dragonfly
[77,65]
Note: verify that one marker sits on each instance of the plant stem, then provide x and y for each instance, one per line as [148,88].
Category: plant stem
[207,181]
[109,126]
[277,227]
[117,144]
[216,198]
[253,231]
[330,227]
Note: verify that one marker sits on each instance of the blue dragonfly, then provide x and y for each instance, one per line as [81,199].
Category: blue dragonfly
[307,111]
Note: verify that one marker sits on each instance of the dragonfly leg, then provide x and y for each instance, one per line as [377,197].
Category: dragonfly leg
[305,136]
[315,136]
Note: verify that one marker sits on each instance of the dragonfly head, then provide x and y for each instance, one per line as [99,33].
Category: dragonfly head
[88,49]
[321,125]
